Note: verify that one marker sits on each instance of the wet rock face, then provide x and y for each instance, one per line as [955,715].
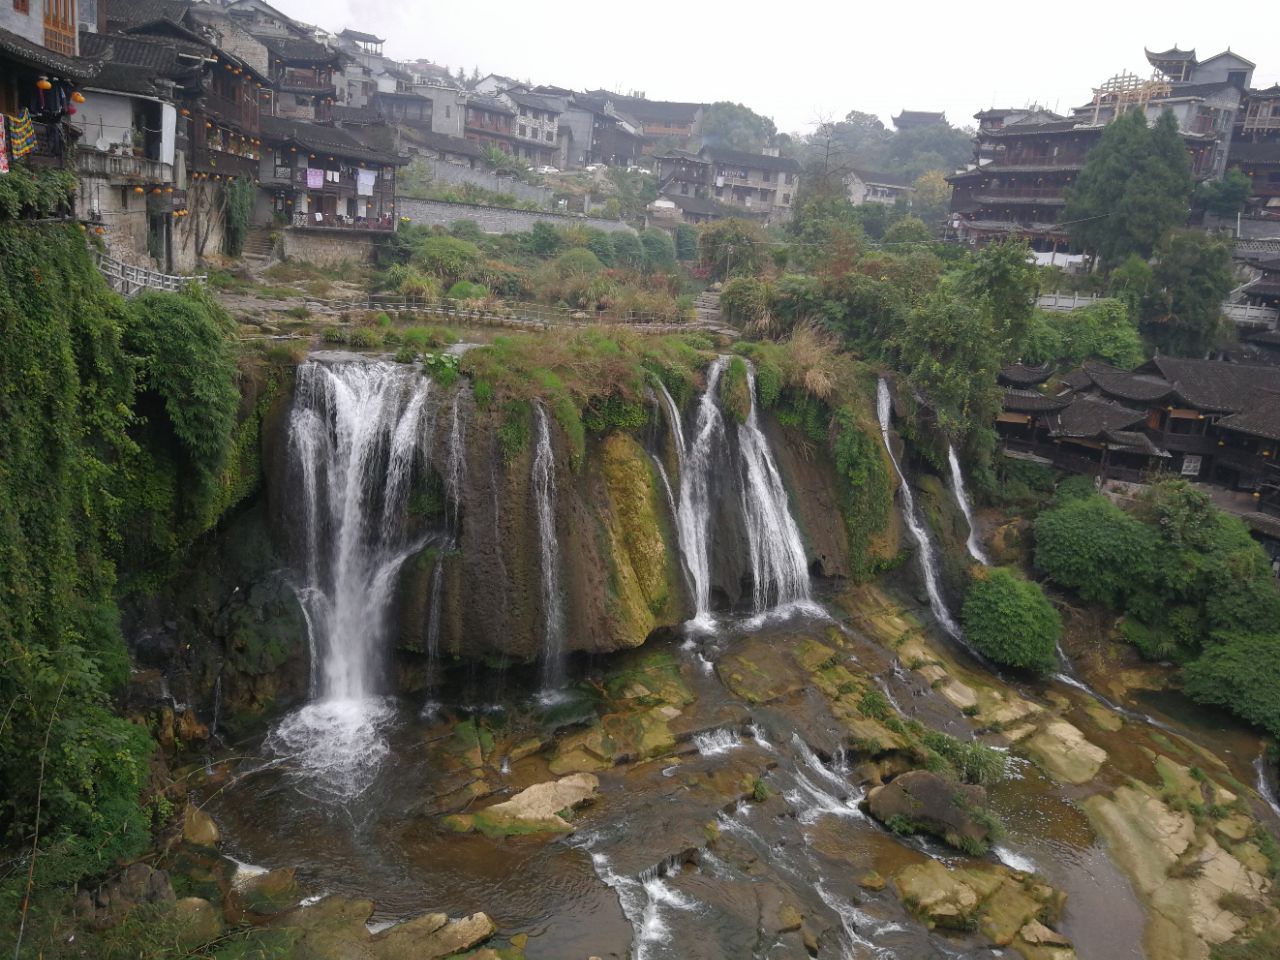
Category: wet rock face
[923,801]
[815,498]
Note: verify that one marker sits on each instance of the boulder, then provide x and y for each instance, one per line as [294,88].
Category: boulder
[199,921]
[921,801]
[432,936]
[536,809]
[198,828]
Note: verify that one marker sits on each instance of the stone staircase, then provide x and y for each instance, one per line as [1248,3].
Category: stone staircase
[259,245]
[707,307]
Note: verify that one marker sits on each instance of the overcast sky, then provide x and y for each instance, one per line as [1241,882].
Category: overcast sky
[801,61]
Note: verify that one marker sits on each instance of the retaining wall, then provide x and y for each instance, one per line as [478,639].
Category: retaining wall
[495,219]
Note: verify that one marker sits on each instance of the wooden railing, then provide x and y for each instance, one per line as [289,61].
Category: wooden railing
[1064,302]
[124,166]
[128,279]
[1243,315]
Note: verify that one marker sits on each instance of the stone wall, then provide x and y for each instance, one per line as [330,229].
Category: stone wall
[329,246]
[207,222]
[454,173]
[495,219]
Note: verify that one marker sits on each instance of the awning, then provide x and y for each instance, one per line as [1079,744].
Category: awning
[1180,414]
[1021,418]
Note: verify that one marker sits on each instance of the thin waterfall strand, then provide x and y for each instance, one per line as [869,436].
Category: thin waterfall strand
[354,433]
[544,492]
[780,573]
[962,498]
[693,518]
[928,560]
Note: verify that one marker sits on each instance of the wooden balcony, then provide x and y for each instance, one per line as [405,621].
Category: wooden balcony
[1039,196]
[122,167]
[240,113]
[226,164]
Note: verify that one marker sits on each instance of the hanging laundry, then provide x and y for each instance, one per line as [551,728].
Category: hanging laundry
[22,135]
[315,178]
[4,148]
[364,184]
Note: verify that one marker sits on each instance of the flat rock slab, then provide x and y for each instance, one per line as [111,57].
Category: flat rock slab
[536,809]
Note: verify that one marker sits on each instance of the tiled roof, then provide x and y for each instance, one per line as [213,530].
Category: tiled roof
[424,136]
[919,117]
[751,161]
[324,140]
[696,205]
[292,49]
[1032,401]
[1089,417]
[1134,441]
[135,12]
[1216,386]
[1077,379]
[1024,375]
[883,179]
[165,57]
[41,58]
[1172,54]
[1138,387]
[1262,419]
[1242,152]
[491,104]
[534,101]
[1269,337]
[1030,127]
[359,37]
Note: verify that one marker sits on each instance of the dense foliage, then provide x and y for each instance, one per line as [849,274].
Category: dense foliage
[1135,186]
[1182,308]
[1102,331]
[101,398]
[241,194]
[1009,619]
[1193,585]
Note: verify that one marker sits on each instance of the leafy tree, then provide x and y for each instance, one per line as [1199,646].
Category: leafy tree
[1093,547]
[732,247]
[1241,673]
[736,126]
[907,231]
[933,147]
[446,257]
[1182,315]
[1135,186]
[578,262]
[1225,197]
[686,242]
[932,198]
[1003,283]
[627,251]
[543,240]
[1104,330]
[1009,619]
[745,300]
[659,251]
[951,353]
[1131,282]
[601,244]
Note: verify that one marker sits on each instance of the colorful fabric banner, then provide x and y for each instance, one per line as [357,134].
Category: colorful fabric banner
[4,147]
[315,178]
[22,135]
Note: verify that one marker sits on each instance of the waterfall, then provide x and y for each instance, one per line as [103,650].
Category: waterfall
[455,472]
[780,575]
[354,435]
[693,517]
[544,492]
[928,559]
[1265,790]
[962,498]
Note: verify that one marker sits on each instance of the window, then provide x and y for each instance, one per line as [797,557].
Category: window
[448,112]
[22,6]
[788,181]
[522,131]
[684,189]
[551,137]
[719,192]
[786,198]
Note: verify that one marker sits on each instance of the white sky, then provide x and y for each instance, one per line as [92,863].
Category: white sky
[800,61]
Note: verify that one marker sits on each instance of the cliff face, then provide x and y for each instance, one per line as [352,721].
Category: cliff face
[473,589]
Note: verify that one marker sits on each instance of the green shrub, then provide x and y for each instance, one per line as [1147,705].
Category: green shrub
[1242,673]
[1095,548]
[735,392]
[513,431]
[745,300]
[578,262]
[1010,620]
[466,290]
[866,489]
[446,257]
[364,338]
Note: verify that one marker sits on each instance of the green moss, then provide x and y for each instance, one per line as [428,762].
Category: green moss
[735,392]
[513,431]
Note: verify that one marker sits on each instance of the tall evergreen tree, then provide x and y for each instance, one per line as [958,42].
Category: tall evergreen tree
[1135,186]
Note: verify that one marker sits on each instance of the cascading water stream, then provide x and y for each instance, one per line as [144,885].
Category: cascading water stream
[962,498]
[693,516]
[1265,790]
[928,559]
[780,574]
[455,473]
[544,493]
[354,434]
